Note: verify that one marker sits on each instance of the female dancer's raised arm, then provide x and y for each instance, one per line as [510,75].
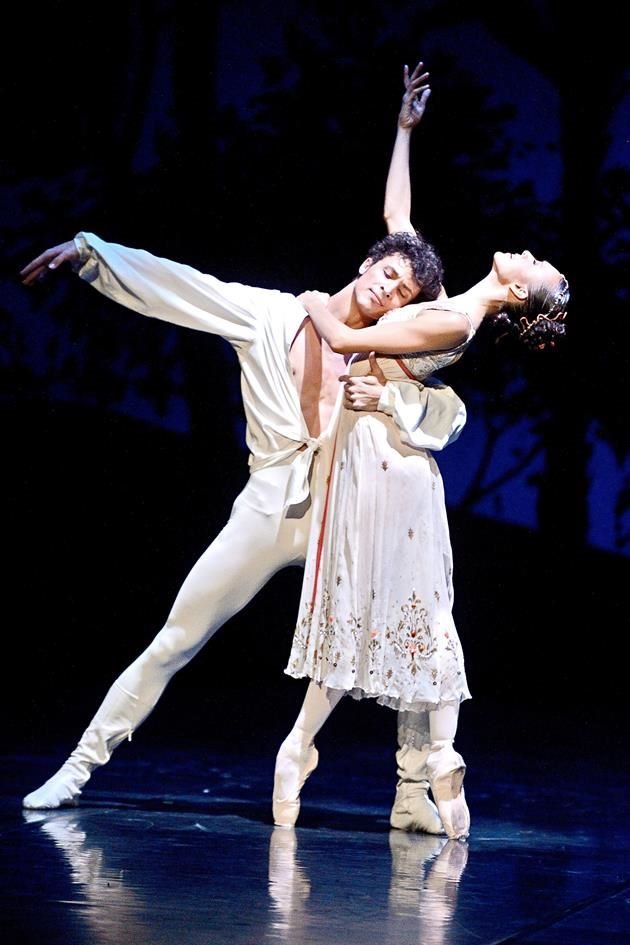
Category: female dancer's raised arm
[397,211]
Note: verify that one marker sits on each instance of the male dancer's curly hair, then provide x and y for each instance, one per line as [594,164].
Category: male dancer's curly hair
[426,265]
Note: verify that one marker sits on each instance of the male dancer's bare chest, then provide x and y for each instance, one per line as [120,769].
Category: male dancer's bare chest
[316,370]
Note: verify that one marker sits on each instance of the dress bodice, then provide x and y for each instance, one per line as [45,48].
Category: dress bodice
[419,364]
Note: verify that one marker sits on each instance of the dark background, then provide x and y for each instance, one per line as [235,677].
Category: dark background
[254,144]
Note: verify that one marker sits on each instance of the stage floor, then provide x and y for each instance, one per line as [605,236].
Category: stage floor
[177,847]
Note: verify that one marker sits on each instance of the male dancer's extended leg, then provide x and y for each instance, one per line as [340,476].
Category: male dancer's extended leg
[246,553]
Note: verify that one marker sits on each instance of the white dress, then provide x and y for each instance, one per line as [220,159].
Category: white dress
[375,616]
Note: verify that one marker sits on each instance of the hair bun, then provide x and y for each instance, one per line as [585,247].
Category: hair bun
[544,332]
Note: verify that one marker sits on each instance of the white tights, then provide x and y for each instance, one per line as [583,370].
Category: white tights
[318,704]
[418,729]
[249,550]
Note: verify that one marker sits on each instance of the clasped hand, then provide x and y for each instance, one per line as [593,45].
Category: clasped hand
[363,391]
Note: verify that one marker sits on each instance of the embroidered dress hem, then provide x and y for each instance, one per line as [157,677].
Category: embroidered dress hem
[397,703]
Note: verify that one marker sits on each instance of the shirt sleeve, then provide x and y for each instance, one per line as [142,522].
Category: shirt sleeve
[177,293]
[429,416]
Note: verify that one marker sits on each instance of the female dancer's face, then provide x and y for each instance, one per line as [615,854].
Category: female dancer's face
[525,270]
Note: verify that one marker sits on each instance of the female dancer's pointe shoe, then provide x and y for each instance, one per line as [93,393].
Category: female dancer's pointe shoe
[446,775]
[293,766]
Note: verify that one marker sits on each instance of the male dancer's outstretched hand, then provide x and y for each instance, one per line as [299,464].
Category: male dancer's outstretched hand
[51,258]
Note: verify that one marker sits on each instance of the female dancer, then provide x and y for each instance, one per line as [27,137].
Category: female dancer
[375,617]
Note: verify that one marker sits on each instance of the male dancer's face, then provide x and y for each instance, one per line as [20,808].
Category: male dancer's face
[384,285]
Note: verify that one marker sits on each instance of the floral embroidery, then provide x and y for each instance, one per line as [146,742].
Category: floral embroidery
[417,653]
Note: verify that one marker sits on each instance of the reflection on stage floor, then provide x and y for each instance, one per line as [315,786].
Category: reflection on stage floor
[191,856]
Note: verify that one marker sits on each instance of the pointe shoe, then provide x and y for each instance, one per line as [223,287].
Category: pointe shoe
[446,769]
[293,767]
